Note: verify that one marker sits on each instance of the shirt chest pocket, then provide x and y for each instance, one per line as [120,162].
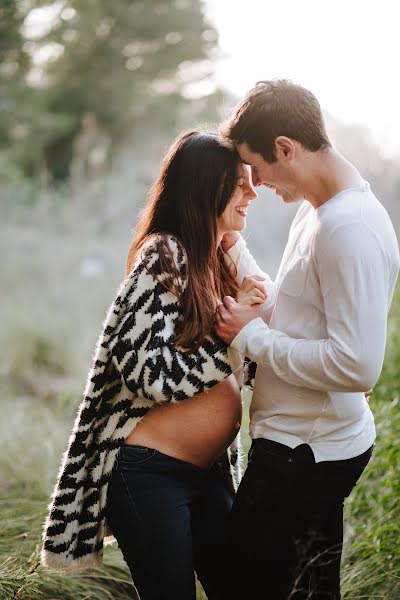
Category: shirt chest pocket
[294,278]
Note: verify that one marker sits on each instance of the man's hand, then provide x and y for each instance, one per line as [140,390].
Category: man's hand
[231,317]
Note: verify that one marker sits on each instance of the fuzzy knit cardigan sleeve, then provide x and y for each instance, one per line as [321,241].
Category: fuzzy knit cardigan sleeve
[135,365]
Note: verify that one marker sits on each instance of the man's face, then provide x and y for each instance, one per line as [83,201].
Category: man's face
[278,176]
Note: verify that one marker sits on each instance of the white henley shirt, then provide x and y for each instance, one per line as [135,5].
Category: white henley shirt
[323,345]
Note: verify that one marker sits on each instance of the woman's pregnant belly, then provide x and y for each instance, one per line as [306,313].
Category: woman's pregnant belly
[196,430]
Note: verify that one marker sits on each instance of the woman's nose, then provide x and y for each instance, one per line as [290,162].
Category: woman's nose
[250,192]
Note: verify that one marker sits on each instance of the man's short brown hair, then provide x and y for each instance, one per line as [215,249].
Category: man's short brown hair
[274,108]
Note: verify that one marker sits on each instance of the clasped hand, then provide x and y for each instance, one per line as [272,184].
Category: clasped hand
[233,314]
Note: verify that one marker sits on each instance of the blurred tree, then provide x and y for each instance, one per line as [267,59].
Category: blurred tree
[14,65]
[71,63]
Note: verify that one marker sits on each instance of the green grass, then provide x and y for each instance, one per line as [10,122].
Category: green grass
[371,566]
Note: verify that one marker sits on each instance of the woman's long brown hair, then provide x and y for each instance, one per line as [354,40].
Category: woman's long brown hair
[197,179]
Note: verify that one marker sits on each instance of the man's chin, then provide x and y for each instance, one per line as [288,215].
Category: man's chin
[288,198]
[282,194]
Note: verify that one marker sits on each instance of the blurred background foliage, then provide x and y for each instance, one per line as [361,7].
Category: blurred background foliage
[78,76]
[91,94]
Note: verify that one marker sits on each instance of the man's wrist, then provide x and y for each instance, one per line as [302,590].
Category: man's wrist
[239,342]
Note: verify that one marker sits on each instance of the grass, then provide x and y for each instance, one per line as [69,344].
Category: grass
[371,567]
[61,270]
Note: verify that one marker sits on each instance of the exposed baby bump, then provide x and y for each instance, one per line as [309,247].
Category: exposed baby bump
[198,429]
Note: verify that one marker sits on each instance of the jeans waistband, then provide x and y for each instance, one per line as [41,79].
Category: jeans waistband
[261,446]
[301,454]
[139,456]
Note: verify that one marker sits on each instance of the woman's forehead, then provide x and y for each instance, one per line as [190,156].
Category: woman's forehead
[242,170]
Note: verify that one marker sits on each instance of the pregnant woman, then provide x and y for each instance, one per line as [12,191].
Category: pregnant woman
[151,459]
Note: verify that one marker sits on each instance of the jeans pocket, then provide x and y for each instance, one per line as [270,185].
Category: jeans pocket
[131,455]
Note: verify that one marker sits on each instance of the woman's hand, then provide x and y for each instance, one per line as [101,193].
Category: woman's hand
[229,239]
[252,291]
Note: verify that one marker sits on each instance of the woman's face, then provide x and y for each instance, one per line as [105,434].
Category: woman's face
[234,216]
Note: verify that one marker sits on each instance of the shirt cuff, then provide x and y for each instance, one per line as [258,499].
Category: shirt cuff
[235,359]
[239,342]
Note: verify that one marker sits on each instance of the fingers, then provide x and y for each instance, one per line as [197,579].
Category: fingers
[254,282]
[218,316]
[250,301]
[222,310]
[258,277]
[257,300]
[228,302]
[252,291]
[255,296]
[255,291]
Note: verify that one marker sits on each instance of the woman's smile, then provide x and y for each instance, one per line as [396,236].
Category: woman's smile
[242,210]
[238,204]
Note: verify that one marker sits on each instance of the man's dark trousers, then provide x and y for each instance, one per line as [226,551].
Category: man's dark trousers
[287,524]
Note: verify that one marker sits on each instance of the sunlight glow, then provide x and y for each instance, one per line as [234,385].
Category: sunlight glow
[345,51]
[40,21]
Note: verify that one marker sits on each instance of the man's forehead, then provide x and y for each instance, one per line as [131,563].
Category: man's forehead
[244,153]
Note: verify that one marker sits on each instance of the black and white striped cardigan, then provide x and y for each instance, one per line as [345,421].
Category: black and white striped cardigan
[135,365]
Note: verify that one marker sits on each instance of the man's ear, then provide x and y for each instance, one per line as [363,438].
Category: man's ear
[285,148]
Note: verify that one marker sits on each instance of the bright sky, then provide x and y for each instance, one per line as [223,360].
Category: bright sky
[346,51]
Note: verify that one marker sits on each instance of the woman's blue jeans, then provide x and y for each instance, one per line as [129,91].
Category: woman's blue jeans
[170,519]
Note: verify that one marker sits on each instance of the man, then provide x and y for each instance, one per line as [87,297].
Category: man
[322,348]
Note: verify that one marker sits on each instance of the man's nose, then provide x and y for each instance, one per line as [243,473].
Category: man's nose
[255,178]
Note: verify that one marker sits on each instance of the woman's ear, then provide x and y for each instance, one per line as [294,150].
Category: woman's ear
[285,148]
